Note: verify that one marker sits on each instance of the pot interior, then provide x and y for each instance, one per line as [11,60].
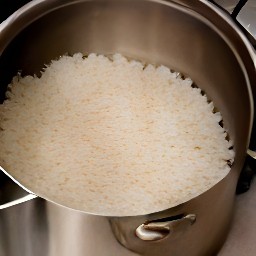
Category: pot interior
[165,32]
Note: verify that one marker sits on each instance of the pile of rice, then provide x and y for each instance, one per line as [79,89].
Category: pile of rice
[112,136]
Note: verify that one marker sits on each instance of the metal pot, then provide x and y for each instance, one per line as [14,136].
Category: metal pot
[192,37]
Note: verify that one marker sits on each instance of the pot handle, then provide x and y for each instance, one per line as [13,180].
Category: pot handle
[158,230]
[11,192]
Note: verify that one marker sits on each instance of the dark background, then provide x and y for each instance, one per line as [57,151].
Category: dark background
[7,7]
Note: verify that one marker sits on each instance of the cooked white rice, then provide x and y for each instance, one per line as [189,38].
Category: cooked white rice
[112,137]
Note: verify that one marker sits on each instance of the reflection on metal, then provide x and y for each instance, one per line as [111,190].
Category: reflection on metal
[228,5]
[247,17]
[155,231]
[251,153]
[18,201]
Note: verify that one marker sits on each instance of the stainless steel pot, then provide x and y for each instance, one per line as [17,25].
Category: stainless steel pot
[192,37]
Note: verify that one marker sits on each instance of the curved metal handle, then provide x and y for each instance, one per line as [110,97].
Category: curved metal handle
[155,231]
